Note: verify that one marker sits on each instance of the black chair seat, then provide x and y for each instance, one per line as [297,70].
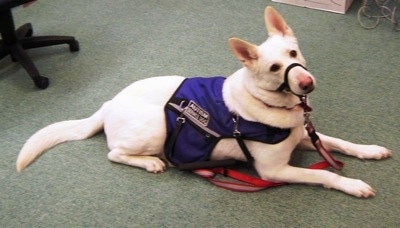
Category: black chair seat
[8,4]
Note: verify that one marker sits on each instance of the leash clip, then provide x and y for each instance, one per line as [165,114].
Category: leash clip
[307,118]
[307,109]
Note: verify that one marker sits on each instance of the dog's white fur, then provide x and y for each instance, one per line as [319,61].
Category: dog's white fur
[134,120]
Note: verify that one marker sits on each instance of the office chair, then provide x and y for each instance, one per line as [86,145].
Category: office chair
[15,42]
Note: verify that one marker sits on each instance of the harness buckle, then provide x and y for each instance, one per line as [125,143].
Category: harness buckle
[236,132]
[181,120]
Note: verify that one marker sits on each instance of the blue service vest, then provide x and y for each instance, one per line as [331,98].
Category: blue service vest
[197,118]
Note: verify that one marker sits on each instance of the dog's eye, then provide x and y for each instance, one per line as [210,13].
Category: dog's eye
[293,53]
[274,68]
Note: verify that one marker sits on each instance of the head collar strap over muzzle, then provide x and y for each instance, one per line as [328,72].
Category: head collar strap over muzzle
[285,84]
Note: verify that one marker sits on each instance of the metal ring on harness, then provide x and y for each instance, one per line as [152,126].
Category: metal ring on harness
[285,84]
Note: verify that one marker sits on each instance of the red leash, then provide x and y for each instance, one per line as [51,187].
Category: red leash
[338,165]
[244,182]
[247,183]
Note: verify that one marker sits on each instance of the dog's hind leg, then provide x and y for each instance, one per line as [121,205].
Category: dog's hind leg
[136,131]
[357,150]
[150,163]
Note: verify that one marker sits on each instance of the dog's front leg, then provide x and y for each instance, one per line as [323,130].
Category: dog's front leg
[357,150]
[328,179]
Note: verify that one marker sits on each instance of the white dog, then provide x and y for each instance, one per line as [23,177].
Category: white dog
[266,90]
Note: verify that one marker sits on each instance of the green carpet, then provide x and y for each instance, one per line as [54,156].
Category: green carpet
[74,185]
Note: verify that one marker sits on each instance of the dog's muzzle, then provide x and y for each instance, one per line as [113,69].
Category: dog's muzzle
[285,85]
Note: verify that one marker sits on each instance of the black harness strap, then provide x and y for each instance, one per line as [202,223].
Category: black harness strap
[171,143]
[245,150]
[207,164]
[242,145]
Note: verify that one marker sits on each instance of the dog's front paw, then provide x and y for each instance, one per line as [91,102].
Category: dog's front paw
[354,187]
[371,152]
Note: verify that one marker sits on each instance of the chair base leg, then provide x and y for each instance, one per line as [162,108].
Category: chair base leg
[22,57]
[44,41]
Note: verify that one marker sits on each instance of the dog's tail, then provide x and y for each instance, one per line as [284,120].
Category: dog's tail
[57,133]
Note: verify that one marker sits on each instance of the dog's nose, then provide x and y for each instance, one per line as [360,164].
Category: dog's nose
[306,83]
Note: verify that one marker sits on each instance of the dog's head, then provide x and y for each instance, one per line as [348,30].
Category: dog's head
[277,64]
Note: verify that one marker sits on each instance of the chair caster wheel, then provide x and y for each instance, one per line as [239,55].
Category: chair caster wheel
[42,82]
[73,47]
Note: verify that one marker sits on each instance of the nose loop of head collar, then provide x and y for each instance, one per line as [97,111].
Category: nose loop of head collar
[285,84]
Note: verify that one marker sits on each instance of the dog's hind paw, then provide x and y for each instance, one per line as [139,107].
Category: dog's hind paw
[155,165]
[150,163]
[371,152]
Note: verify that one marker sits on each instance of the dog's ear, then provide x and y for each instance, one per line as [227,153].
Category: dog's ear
[275,23]
[246,52]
